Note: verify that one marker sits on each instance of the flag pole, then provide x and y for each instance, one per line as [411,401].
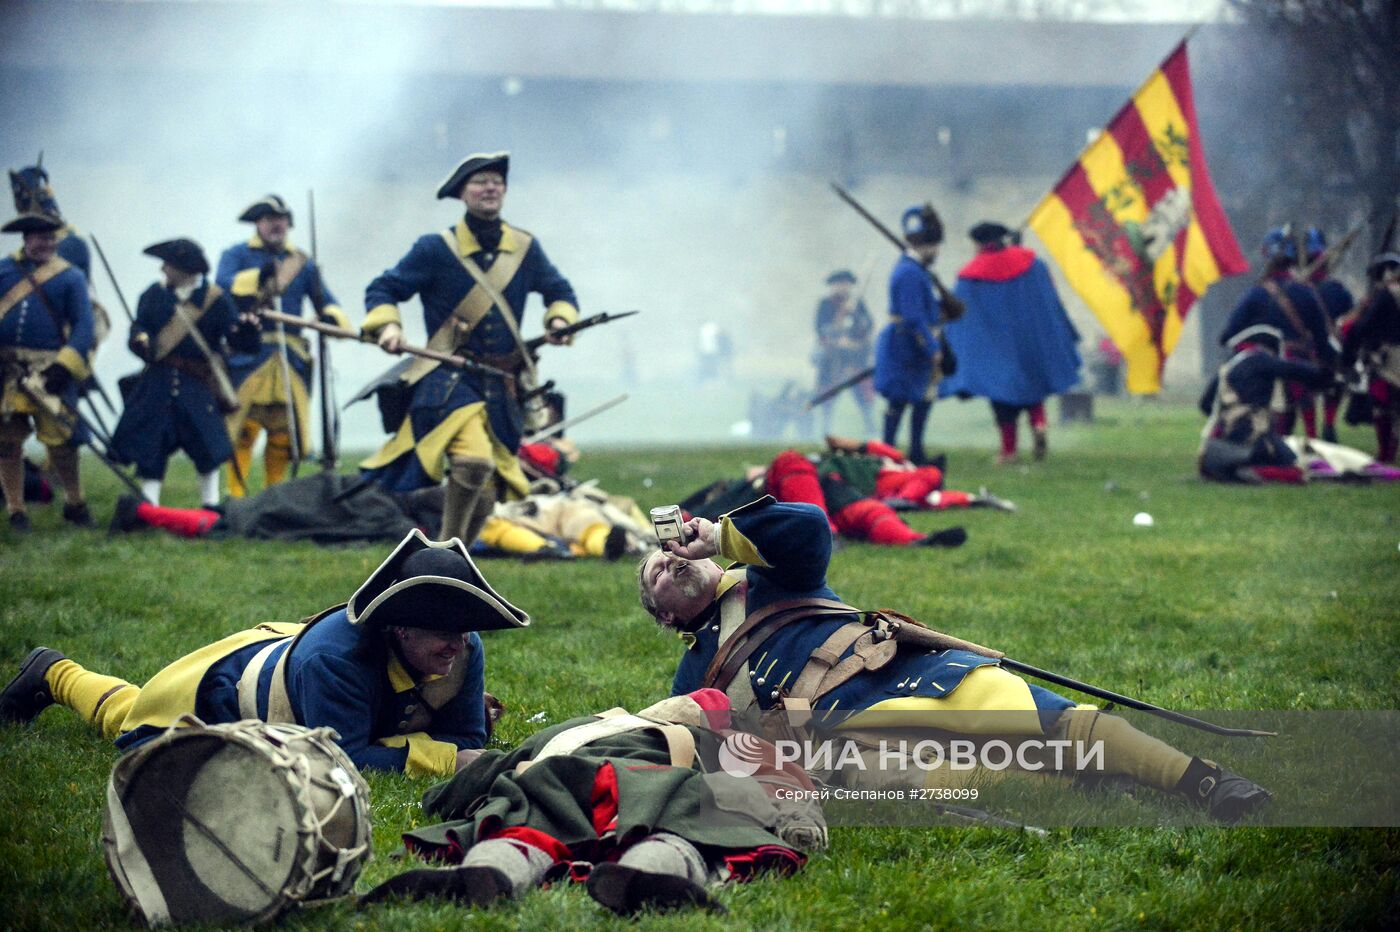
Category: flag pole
[1186,37]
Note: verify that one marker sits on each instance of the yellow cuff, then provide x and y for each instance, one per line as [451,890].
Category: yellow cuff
[74,362]
[337,316]
[560,310]
[380,317]
[735,546]
[245,283]
[427,757]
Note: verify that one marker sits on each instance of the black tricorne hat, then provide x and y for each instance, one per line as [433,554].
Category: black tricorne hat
[182,253]
[1379,263]
[33,222]
[476,162]
[434,585]
[990,232]
[841,275]
[270,206]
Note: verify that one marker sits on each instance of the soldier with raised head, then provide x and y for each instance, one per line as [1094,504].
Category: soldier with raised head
[46,336]
[273,381]
[179,401]
[398,671]
[773,635]
[1280,301]
[473,280]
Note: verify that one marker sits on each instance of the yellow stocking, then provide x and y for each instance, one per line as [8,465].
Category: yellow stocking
[277,455]
[100,700]
[593,538]
[1126,750]
[243,456]
[509,536]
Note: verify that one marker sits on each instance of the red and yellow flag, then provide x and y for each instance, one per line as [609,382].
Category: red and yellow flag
[1135,224]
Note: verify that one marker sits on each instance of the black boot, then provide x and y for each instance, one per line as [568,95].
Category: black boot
[918,419]
[470,886]
[893,414]
[952,537]
[28,693]
[1329,433]
[78,514]
[1228,797]
[124,517]
[19,522]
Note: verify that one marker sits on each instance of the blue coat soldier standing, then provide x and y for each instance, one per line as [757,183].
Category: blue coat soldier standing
[740,638]
[1336,302]
[273,381]
[1291,307]
[843,344]
[46,335]
[179,401]
[908,352]
[33,194]
[473,281]
[398,671]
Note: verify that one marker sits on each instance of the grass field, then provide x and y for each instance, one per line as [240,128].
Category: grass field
[1237,598]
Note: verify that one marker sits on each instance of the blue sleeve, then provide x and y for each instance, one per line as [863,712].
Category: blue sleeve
[222,318]
[1291,371]
[331,691]
[547,281]
[76,301]
[913,305]
[147,309]
[1315,318]
[78,255]
[786,543]
[404,280]
[463,720]
[313,275]
[1244,314]
[228,267]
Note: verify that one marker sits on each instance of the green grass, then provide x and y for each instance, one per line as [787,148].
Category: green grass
[1238,598]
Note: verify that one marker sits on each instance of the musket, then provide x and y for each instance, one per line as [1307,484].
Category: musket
[604,317]
[577,419]
[826,395]
[330,419]
[953,307]
[340,333]
[1332,253]
[131,318]
[922,637]
[72,418]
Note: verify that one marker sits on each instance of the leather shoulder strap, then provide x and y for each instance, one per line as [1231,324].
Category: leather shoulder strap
[1285,304]
[758,627]
[29,283]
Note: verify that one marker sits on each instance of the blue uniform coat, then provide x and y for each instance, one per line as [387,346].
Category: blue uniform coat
[248,258]
[1015,344]
[168,410]
[794,540]
[904,352]
[63,323]
[431,271]
[350,679]
[1258,307]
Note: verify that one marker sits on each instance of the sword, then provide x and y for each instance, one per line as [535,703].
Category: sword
[330,417]
[115,287]
[564,425]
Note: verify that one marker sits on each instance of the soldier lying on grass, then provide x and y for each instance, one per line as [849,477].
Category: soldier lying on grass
[831,662]
[398,671]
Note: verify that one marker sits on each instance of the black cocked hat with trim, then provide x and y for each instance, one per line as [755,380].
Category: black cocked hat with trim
[476,162]
[33,222]
[182,253]
[434,585]
[270,206]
